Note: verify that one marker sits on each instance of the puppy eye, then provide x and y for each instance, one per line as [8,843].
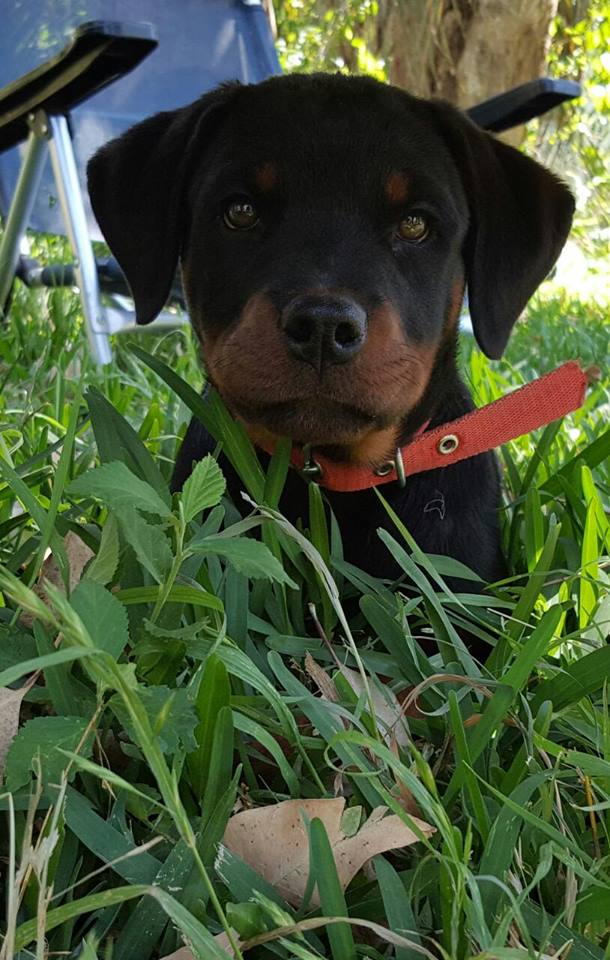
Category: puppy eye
[241,215]
[413,229]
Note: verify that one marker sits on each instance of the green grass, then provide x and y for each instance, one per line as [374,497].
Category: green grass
[173,681]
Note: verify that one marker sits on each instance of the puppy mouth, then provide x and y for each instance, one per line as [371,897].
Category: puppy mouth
[309,421]
[275,393]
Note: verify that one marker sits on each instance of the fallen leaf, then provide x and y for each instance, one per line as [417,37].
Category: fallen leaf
[322,680]
[389,714]
[402,792]
[221,939]
[273,841]
[388,710]
[78,554]
[10,705]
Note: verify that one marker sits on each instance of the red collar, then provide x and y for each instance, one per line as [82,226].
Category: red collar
[519,412]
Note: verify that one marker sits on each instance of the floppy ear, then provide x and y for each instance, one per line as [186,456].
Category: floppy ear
[137,184]
[520,217]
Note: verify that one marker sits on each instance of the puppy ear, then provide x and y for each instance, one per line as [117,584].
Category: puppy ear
[520,217]
[137,184]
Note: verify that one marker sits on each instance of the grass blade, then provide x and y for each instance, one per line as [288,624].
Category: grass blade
[331,895]
[397,906]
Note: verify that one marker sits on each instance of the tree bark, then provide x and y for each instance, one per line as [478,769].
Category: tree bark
[462,50]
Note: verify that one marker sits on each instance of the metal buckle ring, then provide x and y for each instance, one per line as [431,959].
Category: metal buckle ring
[384,469]
[311,468]
[396,464]
[448,444]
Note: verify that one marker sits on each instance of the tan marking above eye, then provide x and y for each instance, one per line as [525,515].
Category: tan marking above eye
[397,187]
[266,176]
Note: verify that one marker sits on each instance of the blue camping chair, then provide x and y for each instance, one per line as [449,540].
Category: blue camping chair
[59,103]
[59,100]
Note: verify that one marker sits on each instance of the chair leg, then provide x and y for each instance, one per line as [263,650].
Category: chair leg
[71,202]
[21,206]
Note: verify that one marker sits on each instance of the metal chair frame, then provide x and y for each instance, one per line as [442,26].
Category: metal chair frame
[51,135]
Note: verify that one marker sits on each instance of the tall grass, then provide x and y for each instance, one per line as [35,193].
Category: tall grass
[170,684]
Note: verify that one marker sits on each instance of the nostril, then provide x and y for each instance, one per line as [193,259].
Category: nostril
[299,329]
[347,334]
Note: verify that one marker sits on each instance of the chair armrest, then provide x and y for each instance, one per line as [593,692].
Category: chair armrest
[522,103]
[98,53]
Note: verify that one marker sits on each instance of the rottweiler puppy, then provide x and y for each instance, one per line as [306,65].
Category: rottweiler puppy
[326,228]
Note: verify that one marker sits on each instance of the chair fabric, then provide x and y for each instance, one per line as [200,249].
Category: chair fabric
[201,43]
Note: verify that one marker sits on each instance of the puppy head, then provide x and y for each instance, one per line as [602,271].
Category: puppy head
[325,227]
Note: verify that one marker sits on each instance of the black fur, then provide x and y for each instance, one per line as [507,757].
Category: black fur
[453,512]
[316,155]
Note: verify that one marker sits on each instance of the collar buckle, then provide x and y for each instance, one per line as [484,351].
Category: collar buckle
[397,464]
[311,468]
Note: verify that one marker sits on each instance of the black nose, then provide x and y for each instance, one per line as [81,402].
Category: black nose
[324,330]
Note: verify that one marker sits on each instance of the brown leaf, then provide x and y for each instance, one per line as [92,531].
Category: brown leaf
[322,680]
[387,709]
[273,841]
[402,792]
[221,939]
[10,705]
[409,707]
[78,554]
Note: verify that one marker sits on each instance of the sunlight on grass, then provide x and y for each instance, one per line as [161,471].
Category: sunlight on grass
[582,278]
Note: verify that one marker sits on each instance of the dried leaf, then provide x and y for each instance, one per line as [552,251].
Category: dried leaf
[388,711]
[221,939]
[273,841]
[78,554]
[408,704]
[10,705]
[404,795]
[321,679]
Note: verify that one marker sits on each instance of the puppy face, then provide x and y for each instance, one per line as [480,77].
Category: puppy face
[325,228]
[323,259]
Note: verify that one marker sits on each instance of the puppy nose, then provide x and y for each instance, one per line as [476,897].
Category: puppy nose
[324,330]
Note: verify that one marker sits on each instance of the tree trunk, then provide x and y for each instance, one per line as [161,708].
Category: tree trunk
[462,50]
